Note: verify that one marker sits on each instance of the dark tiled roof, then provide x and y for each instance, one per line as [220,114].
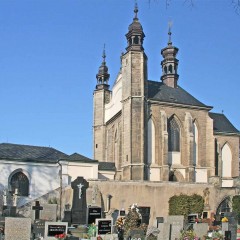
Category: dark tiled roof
[80,158]
[107,166]
[222,124]
[29,153]
[161,92]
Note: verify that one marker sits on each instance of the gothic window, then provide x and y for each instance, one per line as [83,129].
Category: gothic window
[170,69]
[226,161]
[225,206]
[20,181]
[151,141]
[173,136]
[195,144]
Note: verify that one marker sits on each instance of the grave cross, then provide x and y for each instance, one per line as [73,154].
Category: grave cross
[37,208]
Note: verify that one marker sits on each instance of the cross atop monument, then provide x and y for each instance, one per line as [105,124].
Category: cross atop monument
[37,208]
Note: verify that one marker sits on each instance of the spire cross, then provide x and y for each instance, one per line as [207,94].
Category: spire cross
[136,10]
[104,54]
[169,32]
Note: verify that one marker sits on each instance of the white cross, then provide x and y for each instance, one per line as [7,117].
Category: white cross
[80,189]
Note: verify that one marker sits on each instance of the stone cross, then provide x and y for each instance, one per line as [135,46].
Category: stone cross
[15,197]
[37,208]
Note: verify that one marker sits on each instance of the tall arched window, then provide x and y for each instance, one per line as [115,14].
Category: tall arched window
[20,181]
[151,142]
[195,144]
[173,136]
[226,161]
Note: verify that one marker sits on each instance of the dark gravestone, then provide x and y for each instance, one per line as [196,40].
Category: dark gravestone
[39,228]
[232,224]
[122,213]
[145,213]
[67,217]
[37,208]
[54,230]
[104,226]
[227,235]
[93,214]
[79,206]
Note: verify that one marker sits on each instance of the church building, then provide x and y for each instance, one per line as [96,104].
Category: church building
[156,130]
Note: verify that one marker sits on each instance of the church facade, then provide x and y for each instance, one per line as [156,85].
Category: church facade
[156,130]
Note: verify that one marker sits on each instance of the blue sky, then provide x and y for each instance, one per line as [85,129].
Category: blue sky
[50,51]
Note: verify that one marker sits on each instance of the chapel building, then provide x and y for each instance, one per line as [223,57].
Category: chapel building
[156,130]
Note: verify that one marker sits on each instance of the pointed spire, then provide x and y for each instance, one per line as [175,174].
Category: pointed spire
[103,75]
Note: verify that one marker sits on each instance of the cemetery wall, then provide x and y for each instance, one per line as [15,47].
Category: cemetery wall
[155,194]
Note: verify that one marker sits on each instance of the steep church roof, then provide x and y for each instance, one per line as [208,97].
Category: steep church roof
[79,158]
[221,124]
[29,153]
[161,92]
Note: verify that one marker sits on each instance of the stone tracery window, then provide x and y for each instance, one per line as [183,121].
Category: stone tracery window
[173,136]
[20,181]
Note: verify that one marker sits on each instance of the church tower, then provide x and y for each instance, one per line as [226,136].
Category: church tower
[169,63]
[134,88]
[101,97]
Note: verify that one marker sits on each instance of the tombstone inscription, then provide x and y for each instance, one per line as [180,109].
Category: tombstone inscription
[39,228]
[104,226]
[93,214]
[54,228]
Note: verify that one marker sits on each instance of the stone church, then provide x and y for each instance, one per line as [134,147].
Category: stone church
[156,130]
[152,140]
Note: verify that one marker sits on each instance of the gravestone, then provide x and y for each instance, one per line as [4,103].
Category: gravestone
[93,214]
[176,225]
[39,228]
[49,212]
[164,231]
[200,229]
[145,213]
[232,223]
[37,208]
[104,226]
[79,206]
[17,228]
[54,228]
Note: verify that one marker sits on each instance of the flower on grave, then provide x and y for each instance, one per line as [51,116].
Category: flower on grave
[225,219]
[60,236]
[188,235]
[120,223]
[99,238]
[92,230]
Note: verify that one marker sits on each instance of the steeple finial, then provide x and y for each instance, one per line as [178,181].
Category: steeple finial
[104,55]
[136,10]
[170,23]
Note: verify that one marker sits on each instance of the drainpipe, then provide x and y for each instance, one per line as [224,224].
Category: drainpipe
[60,200]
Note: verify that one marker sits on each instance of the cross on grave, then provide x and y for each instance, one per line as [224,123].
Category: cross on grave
[37,208]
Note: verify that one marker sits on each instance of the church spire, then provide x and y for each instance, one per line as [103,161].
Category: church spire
[169,62]
[135,33]
[103,75]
